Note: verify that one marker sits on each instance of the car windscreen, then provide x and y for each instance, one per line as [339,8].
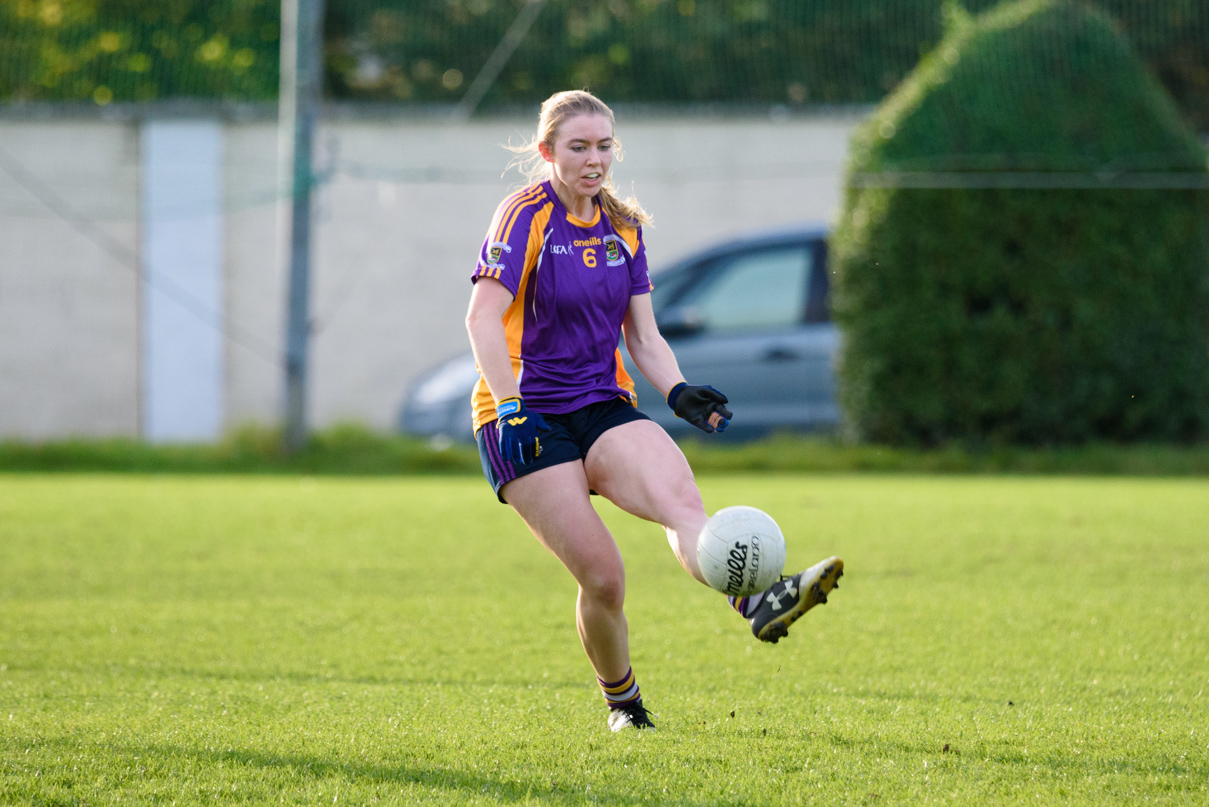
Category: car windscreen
[756,290]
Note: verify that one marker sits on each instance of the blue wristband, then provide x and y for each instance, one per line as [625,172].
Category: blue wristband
[508,406]
[674,393]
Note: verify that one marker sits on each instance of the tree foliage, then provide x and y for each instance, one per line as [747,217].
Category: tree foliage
[427,51]
[132,50]
[993,308]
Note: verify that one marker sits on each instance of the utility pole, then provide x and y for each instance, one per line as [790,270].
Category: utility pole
[301,92]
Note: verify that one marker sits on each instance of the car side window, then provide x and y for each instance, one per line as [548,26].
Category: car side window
[753,291]
[666,285]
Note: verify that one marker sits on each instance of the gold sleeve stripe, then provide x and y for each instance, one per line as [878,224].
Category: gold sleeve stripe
[514,318]
[504,221]
[516,214]
[504,211]
[511,201]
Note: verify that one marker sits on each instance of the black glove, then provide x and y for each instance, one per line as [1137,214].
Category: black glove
[696,404]
[518,429]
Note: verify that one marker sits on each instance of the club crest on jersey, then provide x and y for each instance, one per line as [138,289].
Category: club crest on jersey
[613,251]
[495,251]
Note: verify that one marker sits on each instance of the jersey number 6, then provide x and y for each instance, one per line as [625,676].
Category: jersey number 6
[589,257]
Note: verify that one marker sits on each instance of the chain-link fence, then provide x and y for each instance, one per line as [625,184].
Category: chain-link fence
[734,52]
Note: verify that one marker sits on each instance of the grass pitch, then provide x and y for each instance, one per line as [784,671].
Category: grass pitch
[285,640]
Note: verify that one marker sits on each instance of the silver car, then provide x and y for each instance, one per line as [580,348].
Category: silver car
[750,317]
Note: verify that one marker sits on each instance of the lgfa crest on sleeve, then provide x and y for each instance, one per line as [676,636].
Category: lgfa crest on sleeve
[495,251]
[613,250]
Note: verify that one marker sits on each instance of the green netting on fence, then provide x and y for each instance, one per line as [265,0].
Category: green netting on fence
[792,52]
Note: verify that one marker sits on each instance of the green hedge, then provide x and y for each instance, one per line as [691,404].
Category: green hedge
[982,313]
[427,51]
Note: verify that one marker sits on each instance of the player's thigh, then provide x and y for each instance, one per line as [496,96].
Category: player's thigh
[554,503]
[638,467]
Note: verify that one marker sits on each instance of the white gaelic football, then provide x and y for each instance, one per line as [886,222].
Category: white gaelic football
[741,551]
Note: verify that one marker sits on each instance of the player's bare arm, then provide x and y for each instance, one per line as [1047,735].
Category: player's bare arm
[655,359]
[647,346]
[484,322]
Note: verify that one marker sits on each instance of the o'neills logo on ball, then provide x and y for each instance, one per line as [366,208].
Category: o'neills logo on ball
[737,564]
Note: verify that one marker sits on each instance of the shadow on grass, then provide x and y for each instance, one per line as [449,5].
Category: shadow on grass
[454,785]
[451,781]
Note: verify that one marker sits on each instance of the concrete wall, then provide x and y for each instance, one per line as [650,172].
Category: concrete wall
[69,291]
[399,223]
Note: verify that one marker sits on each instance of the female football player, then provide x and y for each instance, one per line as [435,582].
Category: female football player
[561,276]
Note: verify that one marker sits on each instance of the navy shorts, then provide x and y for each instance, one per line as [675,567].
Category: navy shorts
[568,439]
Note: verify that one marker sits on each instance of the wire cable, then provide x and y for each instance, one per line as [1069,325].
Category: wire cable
[128,258]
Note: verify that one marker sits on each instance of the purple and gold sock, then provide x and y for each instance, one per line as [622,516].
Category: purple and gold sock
[745,605]
[620,694]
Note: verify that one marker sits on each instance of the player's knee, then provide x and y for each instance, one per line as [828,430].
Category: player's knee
[605,587]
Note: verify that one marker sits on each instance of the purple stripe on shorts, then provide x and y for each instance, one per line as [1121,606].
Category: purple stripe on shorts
[503,469]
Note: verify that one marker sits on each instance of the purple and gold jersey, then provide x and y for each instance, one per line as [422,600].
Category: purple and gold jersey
[571,281]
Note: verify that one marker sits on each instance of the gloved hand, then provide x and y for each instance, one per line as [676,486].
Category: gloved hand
[518,428]
[696,404]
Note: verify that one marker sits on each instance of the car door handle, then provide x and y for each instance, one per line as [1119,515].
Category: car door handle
[780,354]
